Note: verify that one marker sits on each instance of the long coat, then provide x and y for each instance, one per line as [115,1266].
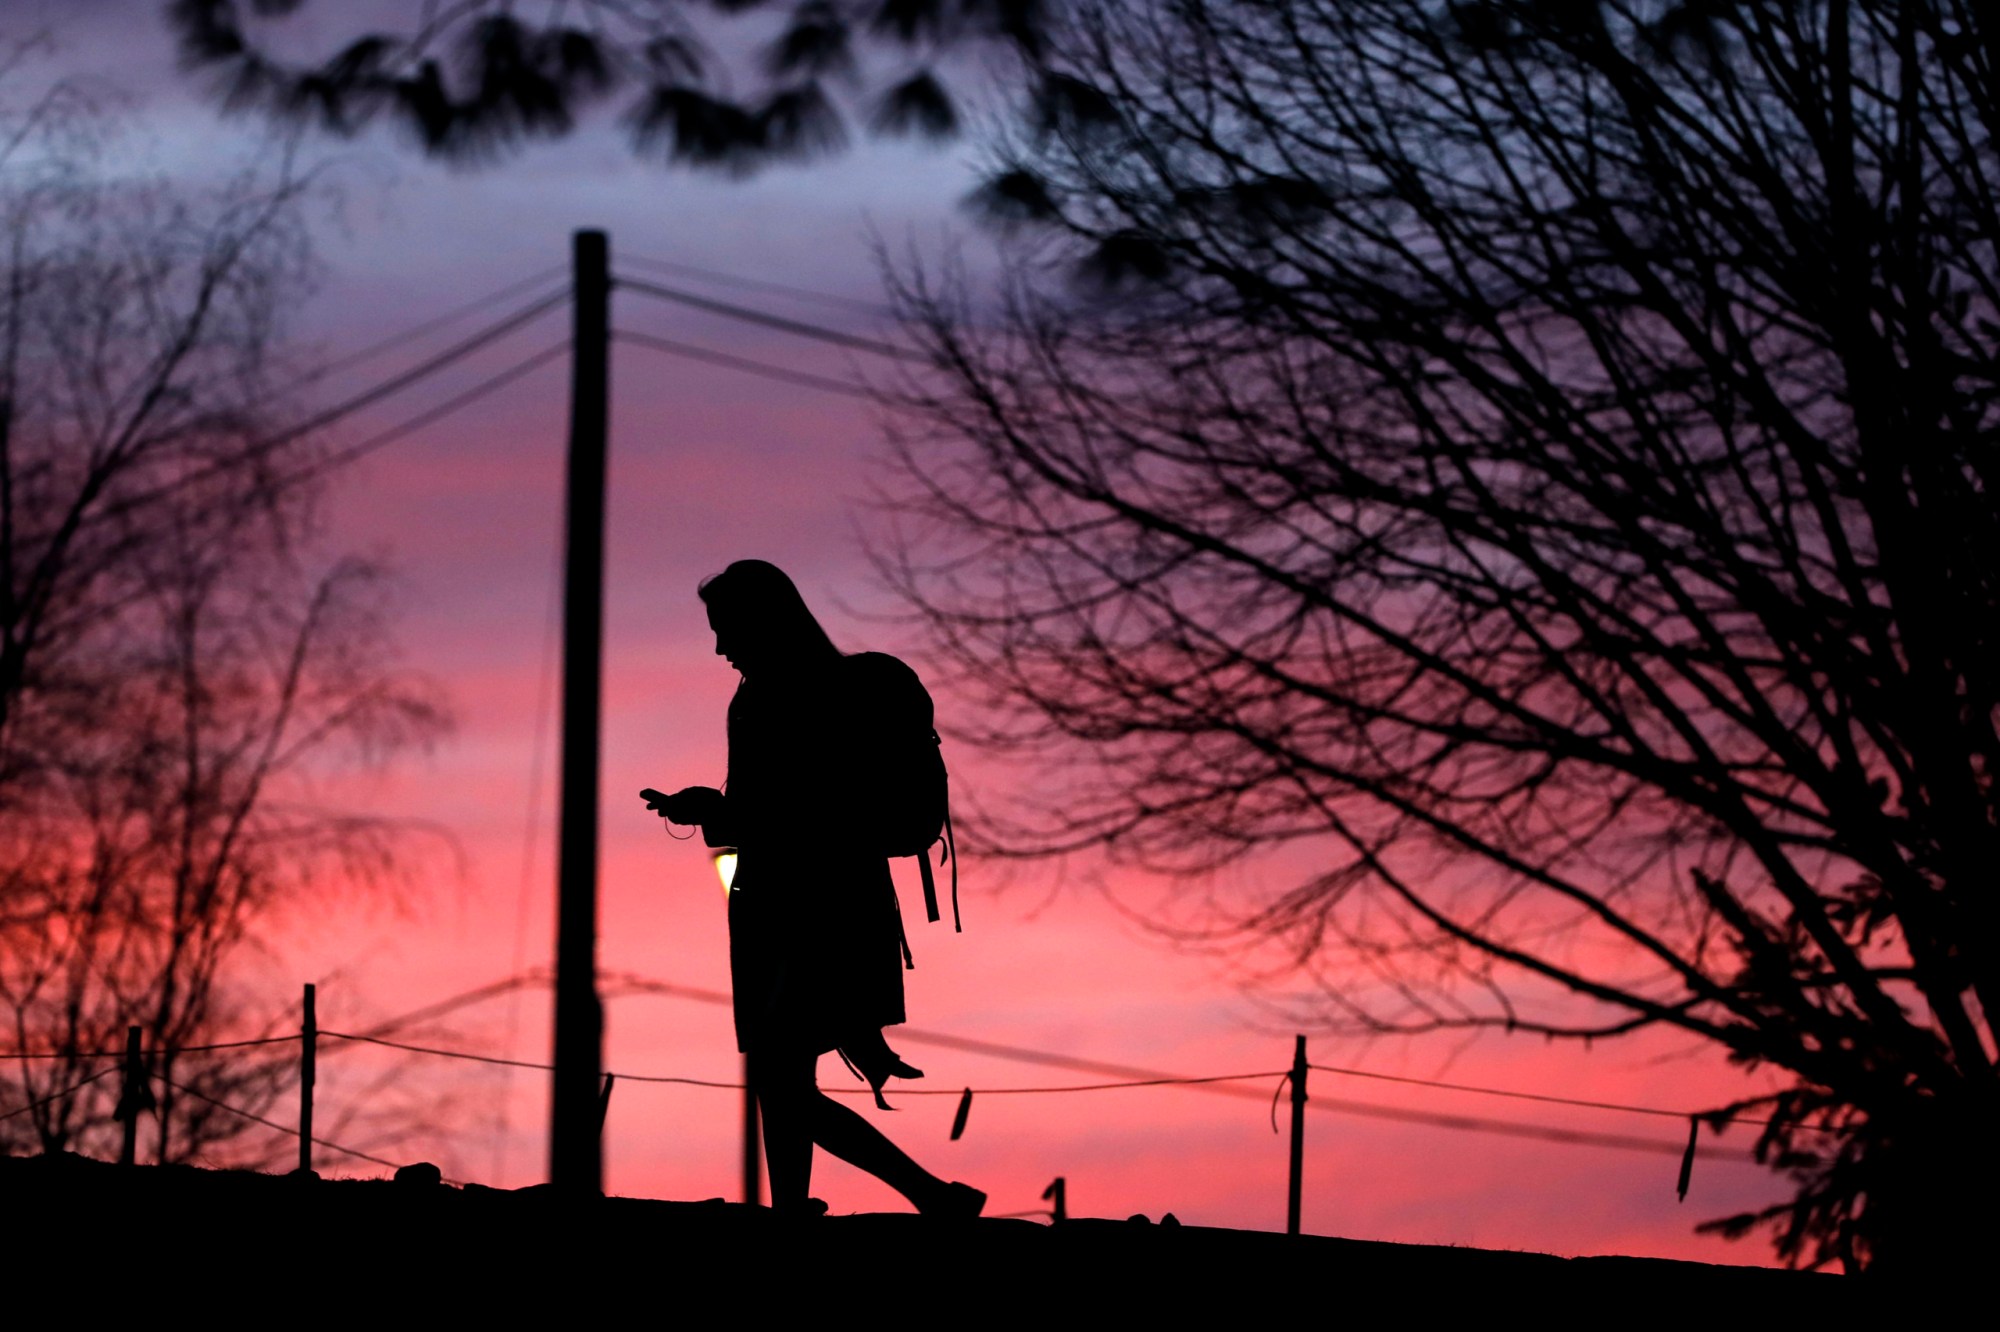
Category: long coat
[815,932]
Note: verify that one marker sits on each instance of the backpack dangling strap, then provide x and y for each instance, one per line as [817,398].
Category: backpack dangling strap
[951,851]
[902,937]
[930,884]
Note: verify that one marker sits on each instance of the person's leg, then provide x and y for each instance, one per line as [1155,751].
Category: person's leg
[783,1081]
[859,1143]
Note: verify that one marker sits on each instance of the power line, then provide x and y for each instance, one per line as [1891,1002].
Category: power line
[458,351]
[52,1098]
[645,985]
[1535,1096]
[424,329]
[544,711]
[1516,1129]
[176,1050]
[1144,1076]
[274,1124]
[353,453]
[418,331]
[464,999]
[433,1050]
[828,299]
[438,1009]
[1463,1123]
[1073,1087]
[633,984]
[853,341]
[320,420]
[500,328]
[1127,1076]
[742,363]
[1166,1081]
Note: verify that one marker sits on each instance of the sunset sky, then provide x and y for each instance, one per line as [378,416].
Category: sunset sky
[710,465]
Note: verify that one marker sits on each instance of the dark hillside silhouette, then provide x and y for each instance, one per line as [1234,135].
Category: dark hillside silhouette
[402,1250]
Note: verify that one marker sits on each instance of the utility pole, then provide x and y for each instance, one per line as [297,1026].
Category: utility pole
[575,1161]
[308,1075]
[1295,1178]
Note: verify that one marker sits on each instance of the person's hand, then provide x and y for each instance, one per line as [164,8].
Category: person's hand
[693,805]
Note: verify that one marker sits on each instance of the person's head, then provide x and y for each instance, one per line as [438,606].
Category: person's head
[761,622]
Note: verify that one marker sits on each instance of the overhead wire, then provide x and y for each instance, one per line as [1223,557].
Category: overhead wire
[544,709]
[827,299]
[416,332]
[1220,1083]
[53,1097]
[274,1124]
[1511,1128]
[1128,1076]
[500,328]
[764,369]
[1143,1076]
[389,387]
[428,1011]
[431,416]
[1073,1087]
[425,368]
[433,1050]
[746,314]
[120,1054]
[464,999]
[1534,1096]
[737,1086]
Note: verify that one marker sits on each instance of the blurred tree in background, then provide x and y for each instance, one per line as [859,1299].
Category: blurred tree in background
[786,79]
[177,658]
[1537,459]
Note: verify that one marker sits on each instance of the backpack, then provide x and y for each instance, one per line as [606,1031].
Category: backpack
[909,800]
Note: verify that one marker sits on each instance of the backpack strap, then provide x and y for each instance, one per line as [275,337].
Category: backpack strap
[902,936]
[951,850]
[930,885]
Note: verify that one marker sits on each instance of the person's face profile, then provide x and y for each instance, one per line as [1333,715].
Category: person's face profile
[726,646]
[735,642]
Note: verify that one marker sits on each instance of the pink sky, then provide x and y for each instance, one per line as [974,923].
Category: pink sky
[708,466]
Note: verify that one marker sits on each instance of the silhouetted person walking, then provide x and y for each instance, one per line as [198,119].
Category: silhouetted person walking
[815,933]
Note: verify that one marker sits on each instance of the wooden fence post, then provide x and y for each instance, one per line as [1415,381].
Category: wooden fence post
[308,1074]
[1056,1195]
[1295,1184]
[133,1097]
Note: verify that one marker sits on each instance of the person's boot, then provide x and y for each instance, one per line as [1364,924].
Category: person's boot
[954,1199]
[869,1055]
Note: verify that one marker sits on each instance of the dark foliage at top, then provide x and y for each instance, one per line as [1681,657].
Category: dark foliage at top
[470,81]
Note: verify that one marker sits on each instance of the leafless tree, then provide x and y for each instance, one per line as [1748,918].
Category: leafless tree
[179,662]
[1536,457]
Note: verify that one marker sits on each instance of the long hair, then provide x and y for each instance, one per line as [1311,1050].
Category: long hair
[759,591]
